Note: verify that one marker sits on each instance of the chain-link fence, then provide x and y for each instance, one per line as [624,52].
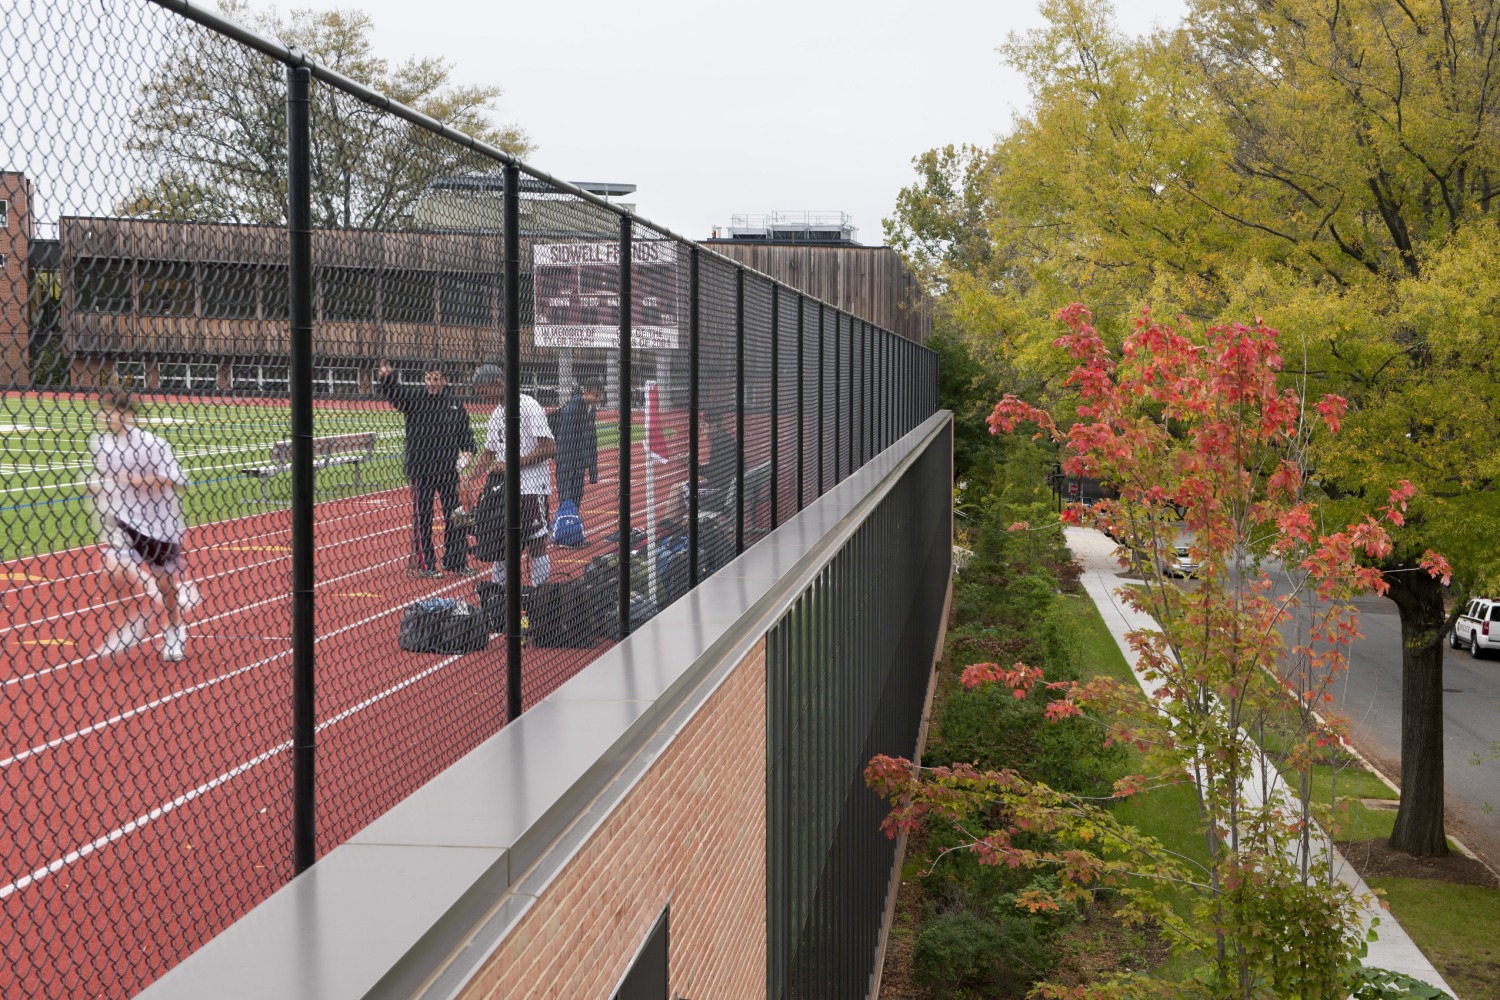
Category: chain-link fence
[334,438]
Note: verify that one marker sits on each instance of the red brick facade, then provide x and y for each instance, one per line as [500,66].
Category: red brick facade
[692,832]
[15,249]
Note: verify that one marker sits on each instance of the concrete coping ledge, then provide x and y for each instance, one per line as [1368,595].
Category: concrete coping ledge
[413,903]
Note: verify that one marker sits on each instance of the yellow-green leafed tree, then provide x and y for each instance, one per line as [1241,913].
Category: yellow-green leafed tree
[1330,165]
[210,127]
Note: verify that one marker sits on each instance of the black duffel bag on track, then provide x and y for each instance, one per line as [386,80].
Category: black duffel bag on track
[443,625]
[489,521]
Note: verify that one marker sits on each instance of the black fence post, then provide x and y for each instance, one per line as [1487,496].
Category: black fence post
[801,400]
[512,457]
[300,302]
[775,405]
[694,424]
[626,391]
[739,410]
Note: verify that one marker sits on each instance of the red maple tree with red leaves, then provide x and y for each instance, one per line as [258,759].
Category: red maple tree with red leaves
[1203,447]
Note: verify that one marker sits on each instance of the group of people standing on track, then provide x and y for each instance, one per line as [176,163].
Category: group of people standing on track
[136,484]
[441,462]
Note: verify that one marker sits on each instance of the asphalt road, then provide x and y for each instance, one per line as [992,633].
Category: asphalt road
[1370,695]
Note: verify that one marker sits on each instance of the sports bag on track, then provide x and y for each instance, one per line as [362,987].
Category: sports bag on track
[567,526]
[559,615]
[489,520]
[492,603]
[443,625]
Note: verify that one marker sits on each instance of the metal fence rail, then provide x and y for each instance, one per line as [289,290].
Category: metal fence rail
[250,311]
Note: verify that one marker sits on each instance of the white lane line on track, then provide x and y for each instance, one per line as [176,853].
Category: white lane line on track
[130,713]
[395,493]
[55,866]
[189,469]
[39,584]
[48,671]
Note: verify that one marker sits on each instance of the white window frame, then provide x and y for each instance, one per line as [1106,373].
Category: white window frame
[4,213]
[135,370]
[195,374]
[259,382]
[326,381]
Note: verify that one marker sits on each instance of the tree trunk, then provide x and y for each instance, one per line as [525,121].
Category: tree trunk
[1419,823]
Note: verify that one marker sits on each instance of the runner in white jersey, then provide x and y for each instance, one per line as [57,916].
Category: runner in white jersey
[135,485]
[537,448]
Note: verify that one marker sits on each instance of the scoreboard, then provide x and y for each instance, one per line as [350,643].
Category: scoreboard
[577,289]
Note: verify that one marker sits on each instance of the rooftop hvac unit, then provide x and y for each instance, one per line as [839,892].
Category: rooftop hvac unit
[793,227]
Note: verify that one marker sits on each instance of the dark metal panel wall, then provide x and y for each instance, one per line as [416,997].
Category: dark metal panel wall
[847,672]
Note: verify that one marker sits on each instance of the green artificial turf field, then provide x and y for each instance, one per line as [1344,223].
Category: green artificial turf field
[44,460]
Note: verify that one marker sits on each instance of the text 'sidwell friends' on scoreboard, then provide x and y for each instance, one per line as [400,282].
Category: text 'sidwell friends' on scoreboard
[577,289]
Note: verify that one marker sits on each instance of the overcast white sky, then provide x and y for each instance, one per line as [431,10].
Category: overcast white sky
[713,109]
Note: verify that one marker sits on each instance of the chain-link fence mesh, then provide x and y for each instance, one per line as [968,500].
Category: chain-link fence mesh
[718,423]
[151,291]
[756,390]
[842,415]
[809,334]
[827,394]
[406,263]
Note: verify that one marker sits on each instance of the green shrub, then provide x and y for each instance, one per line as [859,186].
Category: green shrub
[960,950]
[50,365]
[957,881]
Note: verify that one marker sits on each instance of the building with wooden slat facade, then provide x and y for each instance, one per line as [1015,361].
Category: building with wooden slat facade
[203,307]
[870,283]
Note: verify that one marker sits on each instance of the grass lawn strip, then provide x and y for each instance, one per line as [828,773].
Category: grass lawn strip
[1357,799]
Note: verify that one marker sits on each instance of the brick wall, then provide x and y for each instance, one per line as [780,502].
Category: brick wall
[15,246]
[692,832]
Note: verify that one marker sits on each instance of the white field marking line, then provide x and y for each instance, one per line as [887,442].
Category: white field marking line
[53,867]
[38,584]
[210,523]
[166,699]
[48,671]
[41,487]
[81,460]
[201,579]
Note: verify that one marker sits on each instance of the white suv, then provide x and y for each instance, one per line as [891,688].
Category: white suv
[1478,627]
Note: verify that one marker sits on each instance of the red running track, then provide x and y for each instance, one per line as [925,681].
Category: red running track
[147,805]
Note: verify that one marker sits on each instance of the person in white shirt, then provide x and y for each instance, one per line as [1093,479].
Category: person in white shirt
[537,448]
[135,485]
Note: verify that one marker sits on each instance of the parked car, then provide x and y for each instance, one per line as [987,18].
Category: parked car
[1180,559]
[1478,628]
[1177,560]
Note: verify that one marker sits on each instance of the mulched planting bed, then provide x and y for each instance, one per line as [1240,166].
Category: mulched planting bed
[1376,859]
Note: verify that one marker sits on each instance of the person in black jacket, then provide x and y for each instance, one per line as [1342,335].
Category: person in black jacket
[722,468]
[577,431]
[438,435]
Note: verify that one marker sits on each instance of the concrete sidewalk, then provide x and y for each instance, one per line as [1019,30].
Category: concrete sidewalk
[1394,948]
